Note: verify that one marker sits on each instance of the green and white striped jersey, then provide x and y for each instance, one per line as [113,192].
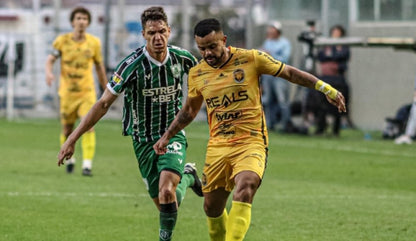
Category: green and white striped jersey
[152,91]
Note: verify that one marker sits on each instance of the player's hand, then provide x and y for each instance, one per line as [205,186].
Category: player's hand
[160,146]
[66,152]
[339,102]
[50,78]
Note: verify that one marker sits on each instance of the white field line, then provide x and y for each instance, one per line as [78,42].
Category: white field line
[73,194]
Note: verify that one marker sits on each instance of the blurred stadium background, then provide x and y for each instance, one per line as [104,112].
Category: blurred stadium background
[315,188]
[381,79]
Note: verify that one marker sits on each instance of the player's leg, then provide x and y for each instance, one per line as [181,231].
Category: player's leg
[68,117]
[217,216]
[246,184]
[88,141]
[168,205]
[216,172]
[173,182]
[189,179]
[248,169]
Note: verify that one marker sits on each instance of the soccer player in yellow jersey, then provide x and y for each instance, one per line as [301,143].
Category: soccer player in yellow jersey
[227,80]
[78,51]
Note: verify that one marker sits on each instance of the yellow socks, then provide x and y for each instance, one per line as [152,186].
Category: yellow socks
[88,148]
[238,221]
[216,227]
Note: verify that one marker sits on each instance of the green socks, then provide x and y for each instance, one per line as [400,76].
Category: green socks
[167,219]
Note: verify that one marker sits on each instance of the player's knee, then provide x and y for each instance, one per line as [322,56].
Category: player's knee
[245,191]
[212,210]
[166,195]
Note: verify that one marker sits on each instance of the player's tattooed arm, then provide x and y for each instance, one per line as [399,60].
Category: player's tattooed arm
[182,119]
[299,77]
[185,116]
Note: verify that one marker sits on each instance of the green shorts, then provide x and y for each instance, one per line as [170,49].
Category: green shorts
[151,165]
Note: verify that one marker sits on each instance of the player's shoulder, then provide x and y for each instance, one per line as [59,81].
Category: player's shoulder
[134,56]
[247,54]
[180,51]
[92,38]
[64,36]
[242,52]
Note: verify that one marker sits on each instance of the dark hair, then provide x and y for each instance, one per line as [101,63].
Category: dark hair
[206,26]
[153,14]
[340,28]
[80,10]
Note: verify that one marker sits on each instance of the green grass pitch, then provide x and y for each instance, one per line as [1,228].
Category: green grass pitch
[315,188]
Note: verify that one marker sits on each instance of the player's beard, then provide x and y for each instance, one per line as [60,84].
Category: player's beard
[217,60]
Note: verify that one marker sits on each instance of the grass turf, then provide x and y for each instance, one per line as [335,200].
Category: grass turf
[315,188]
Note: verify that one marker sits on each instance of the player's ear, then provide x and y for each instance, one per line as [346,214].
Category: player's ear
[224,39]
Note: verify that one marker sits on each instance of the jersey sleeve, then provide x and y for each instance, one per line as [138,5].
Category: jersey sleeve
[193,90]
[266,64]
[57,46]
[118,81]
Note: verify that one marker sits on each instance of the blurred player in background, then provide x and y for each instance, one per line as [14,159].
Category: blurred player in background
[78,51]
[410,131]
[227,80]
[151,78]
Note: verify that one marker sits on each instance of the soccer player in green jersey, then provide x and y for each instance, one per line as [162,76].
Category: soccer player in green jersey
[151,78]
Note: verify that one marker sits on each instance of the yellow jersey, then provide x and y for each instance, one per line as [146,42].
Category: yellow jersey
[232,96]
[77,59]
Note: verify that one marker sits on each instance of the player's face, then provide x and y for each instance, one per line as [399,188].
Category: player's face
[156,33]
[80,22]
[212,48]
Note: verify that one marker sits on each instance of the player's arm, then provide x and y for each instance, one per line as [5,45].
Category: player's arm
[303,78]
[102,76]
[185,116]
[99,109]
[50,60]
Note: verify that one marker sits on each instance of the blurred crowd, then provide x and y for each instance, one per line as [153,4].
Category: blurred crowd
[329,63]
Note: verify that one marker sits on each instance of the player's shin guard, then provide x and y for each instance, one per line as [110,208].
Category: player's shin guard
[238,221]
[168,216]
[88,146]
[217,227]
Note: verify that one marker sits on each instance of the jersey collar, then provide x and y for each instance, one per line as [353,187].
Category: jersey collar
[154,61]
[232,50]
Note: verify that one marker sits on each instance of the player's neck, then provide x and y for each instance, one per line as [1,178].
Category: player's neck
[160,57]
[224,57]
[78,36]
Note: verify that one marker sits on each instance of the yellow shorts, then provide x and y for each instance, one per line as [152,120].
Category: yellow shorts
[222,163]
[72,108]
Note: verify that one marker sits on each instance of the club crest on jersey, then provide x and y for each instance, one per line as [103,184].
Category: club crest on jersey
[176,70]
[239,75]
